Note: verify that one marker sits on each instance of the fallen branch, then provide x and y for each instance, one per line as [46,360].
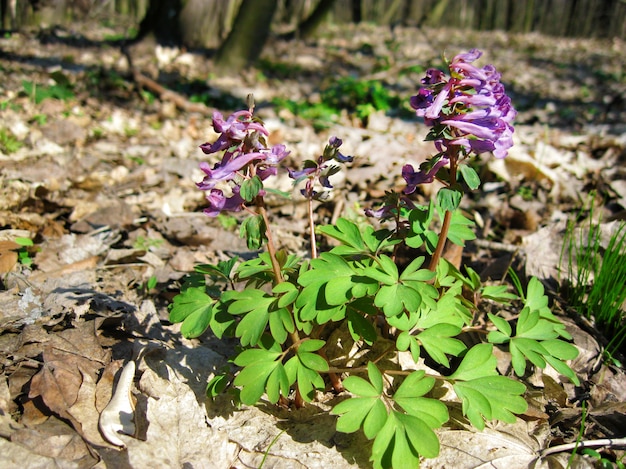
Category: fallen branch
[610,442]
[163,93]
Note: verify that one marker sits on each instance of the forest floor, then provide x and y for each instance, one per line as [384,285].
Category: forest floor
[100,175]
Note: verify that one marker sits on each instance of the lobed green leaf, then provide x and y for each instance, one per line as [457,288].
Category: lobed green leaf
[478,362]
[491,398]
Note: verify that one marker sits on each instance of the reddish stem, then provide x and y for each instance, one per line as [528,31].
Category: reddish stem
[445,226]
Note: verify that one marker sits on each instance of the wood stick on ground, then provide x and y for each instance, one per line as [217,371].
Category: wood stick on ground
[163,93]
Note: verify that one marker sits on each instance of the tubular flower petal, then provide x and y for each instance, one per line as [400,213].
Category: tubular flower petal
[245,154]
[414,178]
[471,102]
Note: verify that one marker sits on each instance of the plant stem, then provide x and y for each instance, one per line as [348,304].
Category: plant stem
[312,229]
[271,249]
[445,226]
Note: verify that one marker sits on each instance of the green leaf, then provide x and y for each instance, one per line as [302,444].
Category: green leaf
[250,188]
[375,376]
[253,379]
[194,308]
[332,271]
[313,361]
[491,398]
[255,305]
[253,231]
[311,345]
[277,384]
[498,293]
[536,299]
[401,441]
[449,199]
[478,362]
[196,323]
[503,326]
[22,241]
[223,269]
[281,324]
[288,291]
[470,176]
[439,341]
[216,385]
[409,396]
[353,412]
[308,380]
[347,233]
[407,341]
[360,387]
[459,230]
[360,327]
[522,349]
[255,355]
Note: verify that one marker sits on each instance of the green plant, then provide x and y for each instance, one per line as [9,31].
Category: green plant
[8,143]
[358,97]
[40,119]
[24,254]
[340,318]
[145,244]
[596,278]
[61,90]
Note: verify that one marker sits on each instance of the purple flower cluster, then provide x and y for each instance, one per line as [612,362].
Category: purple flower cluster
[471,103]
[320,169]
[467,110]
[245,155]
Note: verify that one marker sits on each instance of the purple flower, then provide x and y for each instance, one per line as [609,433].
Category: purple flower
[224,171]
[219,203]
[245,155]
[471,103]
[414,178]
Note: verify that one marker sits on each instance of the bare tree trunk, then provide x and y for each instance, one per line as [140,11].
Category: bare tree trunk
[244,44]
[205,23]
[307,28]
[162,20]
[357,11]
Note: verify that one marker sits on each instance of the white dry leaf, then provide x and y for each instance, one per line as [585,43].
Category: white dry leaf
[118,415]
[543,251]
[505,447]
[178,433]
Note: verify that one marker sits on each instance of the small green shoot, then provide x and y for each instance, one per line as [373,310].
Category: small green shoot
[8,143]
[146,244]
[23,254]
[596,279]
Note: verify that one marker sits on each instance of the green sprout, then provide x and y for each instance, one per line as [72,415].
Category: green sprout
[596,278]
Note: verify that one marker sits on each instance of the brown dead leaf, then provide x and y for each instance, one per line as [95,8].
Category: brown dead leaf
[84,411]
[55,439]
[34,412]
[104,388]
[57,383]
[554,391]
[8,256]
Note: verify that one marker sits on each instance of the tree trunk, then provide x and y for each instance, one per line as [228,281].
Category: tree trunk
[245,42]
[162,20]
[357,12]
[205,23]
[307,28]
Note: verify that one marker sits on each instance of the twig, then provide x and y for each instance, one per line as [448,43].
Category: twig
[611,442]
[163,93]
[482,243]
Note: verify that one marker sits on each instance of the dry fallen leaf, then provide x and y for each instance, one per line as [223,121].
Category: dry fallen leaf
[8,256]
